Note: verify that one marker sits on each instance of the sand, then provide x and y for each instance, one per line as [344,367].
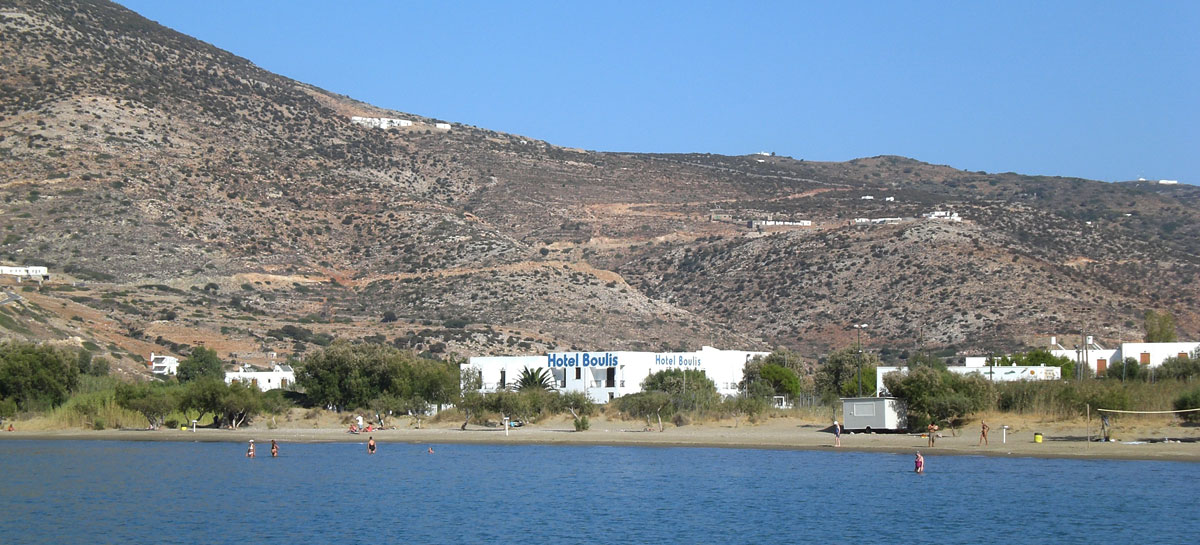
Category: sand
[1137,440]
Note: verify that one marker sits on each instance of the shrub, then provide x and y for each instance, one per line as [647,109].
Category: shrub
[1189,400]
[582,423]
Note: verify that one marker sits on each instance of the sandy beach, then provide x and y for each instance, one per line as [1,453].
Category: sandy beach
[1136,440]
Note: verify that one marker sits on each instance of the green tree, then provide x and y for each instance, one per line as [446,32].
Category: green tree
[783,381]
[205,396]
[689,389]
[580,406]
[1160,327]
[274,403]
[239,402]
[153,400]
[646,404]
[750,406]
[471,401]
[1127,369]
[8,409]
[534,379]
[349,375]
[935,395]
[1189,400]
[1187,368]
[838,375]
[36,376]
[202,363]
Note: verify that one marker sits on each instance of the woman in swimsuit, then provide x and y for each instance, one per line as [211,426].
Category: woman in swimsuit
[274,449]
[919,462]
[837,434]
[370,445]
[250,451]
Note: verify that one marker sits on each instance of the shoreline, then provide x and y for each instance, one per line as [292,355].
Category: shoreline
[767,436]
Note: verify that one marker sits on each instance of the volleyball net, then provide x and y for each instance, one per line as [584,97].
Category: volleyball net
[1147,412]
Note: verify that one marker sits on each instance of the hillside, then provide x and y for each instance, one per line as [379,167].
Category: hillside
[203,199]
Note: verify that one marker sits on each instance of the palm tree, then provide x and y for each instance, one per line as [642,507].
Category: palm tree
[535,379]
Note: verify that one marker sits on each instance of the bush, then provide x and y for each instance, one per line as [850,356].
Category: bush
[1189,400]
[582,423]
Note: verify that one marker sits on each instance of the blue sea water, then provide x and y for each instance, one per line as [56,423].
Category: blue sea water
[164,492]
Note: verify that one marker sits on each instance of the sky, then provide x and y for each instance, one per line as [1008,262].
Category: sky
[1104,90]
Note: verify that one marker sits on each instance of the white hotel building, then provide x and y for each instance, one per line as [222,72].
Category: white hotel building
[604,376]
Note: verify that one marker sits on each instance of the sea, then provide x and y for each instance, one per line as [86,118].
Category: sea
[204,492]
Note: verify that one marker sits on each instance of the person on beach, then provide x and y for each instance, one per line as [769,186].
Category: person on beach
[919,463]
[370,445]
[932,432]
[983,429]
[250,451]
[10,428]
[837,434]
[274,449]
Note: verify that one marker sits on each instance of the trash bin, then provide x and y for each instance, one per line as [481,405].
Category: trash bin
[1037,438]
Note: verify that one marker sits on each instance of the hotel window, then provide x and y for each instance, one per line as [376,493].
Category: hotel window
[578,373]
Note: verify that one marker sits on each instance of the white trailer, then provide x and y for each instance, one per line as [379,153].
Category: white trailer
[874,414]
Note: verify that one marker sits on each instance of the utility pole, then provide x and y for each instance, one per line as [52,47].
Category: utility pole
[859,328]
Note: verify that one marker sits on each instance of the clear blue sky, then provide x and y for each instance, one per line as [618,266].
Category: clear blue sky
[1101,90]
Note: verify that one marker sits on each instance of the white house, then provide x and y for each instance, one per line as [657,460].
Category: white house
[995,373]
[889,199]
[280,376]
[867,197]
[888,221]
[381,122]
[607,375]
[26,272]
[164,365]
[942,215]
[442,126]
[1147,354]
[1168,182]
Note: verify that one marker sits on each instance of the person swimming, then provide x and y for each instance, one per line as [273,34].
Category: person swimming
[919,463]
[250,450]
[431,450]
[274,449]
[370,445]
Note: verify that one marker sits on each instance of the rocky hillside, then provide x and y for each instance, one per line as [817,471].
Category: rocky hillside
[204,200]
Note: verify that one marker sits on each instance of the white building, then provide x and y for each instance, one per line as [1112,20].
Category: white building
[164,365]
[26,272]
[1168,182]
[280,376]
[442,126]
[867,197]
[607,375]
[889,199]
[1147,354]
[888,221]
[995,373]
[381,122]
[942,215]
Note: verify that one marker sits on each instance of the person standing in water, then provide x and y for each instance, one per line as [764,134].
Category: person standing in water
[250,450]
[274,449]
[919,463]
[370,445]
[983,429]
[837,434]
